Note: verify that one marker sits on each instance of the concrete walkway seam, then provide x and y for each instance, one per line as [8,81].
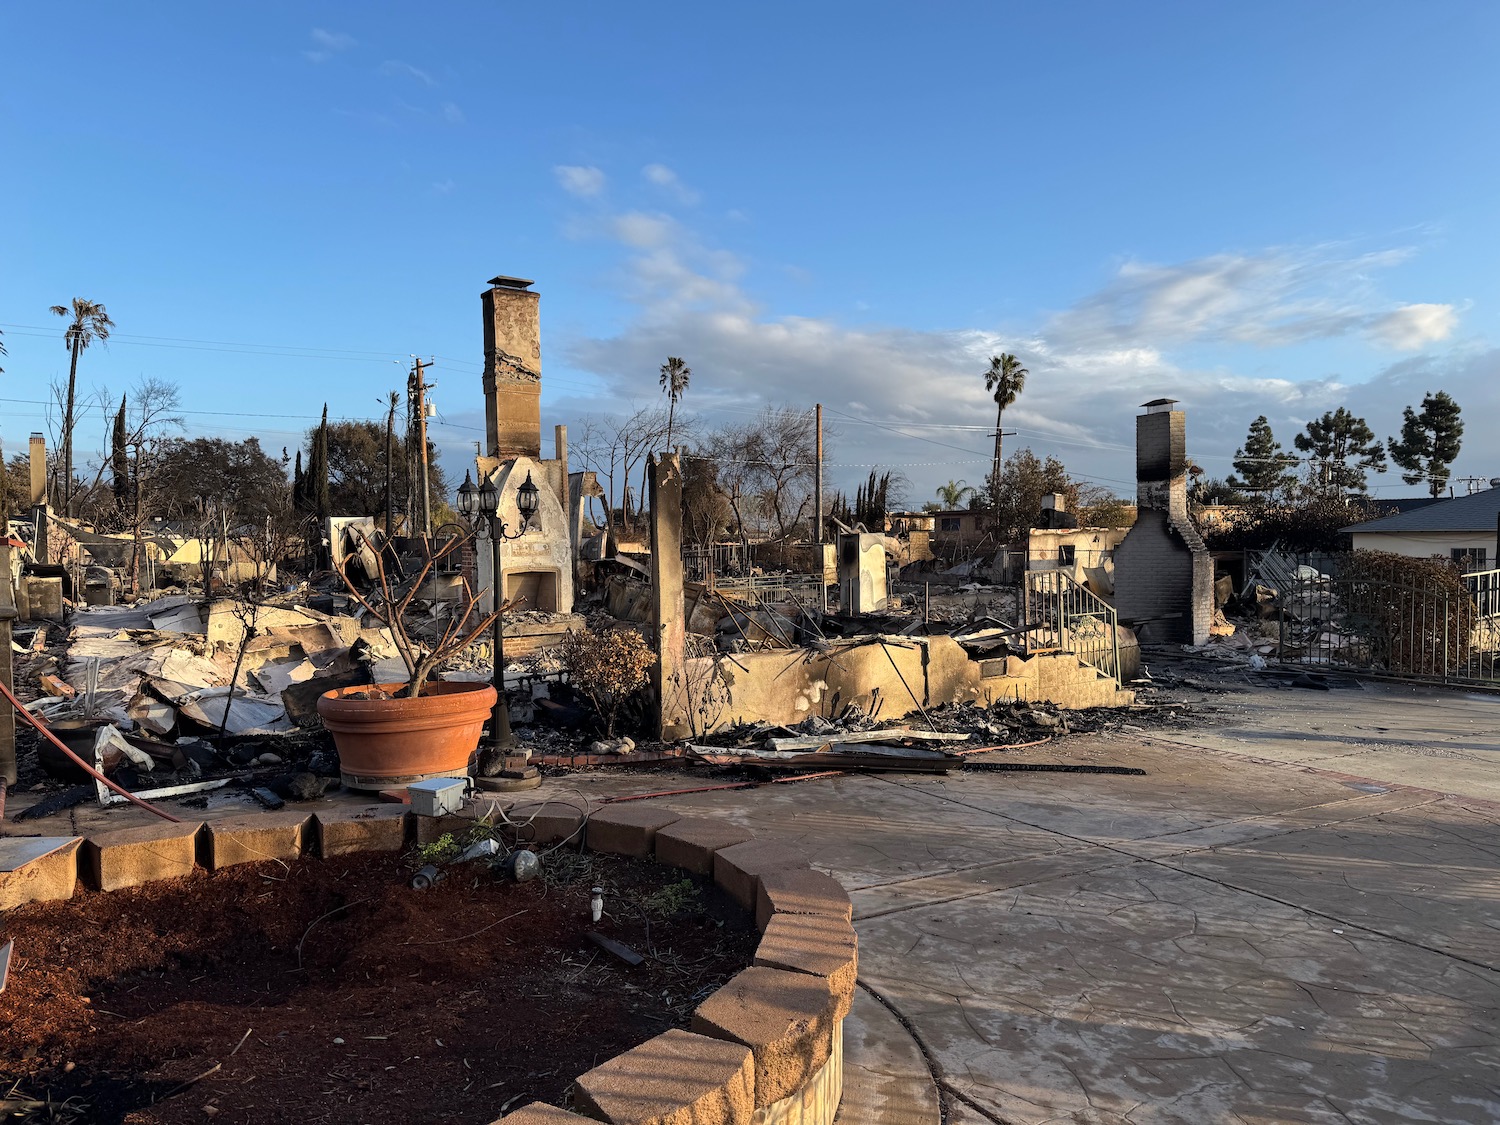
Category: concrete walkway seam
[944,1088]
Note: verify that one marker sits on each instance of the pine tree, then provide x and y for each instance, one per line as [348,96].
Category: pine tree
[1263,467]
[119,460]
[1429,442]
[1343,450]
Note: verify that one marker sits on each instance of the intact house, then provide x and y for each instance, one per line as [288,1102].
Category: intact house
[1463,530]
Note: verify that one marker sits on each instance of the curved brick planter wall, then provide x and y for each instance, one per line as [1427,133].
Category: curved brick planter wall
[766,1049]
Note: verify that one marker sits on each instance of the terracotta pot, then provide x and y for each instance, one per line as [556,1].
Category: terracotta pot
[387,742]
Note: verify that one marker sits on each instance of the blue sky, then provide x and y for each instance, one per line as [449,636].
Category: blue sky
[1275,209]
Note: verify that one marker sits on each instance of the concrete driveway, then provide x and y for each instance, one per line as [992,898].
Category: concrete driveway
[1221,940]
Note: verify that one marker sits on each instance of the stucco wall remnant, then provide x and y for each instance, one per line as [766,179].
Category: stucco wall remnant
[892,677]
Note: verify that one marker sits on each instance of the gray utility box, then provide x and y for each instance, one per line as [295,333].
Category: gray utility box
[436,797]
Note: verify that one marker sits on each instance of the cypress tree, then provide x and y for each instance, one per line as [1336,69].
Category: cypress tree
[321,502]
[299,486]
[119,459]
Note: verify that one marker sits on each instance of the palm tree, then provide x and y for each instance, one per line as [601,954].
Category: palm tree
[954,493]
[674,382]
[90,322]
[1006,378]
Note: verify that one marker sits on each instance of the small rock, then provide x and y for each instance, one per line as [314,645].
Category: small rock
[269,759]
[612,746]
[337,1042]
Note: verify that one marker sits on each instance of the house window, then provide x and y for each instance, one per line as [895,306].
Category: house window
[1469,558]
[948,523]
[1065,554]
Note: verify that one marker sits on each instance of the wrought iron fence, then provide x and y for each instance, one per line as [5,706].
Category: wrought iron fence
[717,559]
[1062,615]
[804,588]
[1415,628]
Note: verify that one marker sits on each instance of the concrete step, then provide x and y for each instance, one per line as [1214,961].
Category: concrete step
[37,868]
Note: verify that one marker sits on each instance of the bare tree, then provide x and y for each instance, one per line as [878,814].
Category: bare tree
[153,406]
[616,447]
[767,466]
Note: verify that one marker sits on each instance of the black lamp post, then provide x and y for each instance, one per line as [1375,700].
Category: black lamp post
[485,501]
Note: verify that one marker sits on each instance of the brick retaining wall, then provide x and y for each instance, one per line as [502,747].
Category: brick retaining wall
[766,1049]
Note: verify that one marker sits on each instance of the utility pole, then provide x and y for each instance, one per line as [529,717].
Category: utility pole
[996,467]
[422,388]
[390,426]
[818,485]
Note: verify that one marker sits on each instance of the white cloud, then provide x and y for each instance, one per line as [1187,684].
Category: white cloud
[1091,365]
[584,181]
[452,114]
[395,68]
[663,177]
[1411,326]
[1271,299]
[328,43]
[642,231]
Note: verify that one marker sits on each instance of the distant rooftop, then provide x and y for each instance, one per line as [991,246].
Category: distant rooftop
[1462,513]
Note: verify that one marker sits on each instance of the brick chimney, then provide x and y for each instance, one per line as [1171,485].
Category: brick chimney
[512,368]
[1164,575]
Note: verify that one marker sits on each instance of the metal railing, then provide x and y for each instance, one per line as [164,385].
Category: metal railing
[1062,615]
[805,588]
[717,559]
[1412,628]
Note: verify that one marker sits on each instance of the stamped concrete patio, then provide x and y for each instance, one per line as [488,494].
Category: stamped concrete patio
[1221,940]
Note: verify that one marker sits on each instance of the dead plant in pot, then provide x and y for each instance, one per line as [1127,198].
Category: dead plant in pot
[393,734]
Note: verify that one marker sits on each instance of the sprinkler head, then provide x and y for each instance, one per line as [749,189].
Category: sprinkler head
[596,903]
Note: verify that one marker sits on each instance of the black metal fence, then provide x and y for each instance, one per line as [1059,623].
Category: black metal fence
[1439,628]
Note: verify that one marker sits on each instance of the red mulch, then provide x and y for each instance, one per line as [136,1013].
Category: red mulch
[451,1003]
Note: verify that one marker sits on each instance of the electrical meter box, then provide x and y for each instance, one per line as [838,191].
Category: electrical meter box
[437,796]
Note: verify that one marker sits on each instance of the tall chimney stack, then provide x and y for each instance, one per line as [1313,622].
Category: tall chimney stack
[1164,576]
[512,368]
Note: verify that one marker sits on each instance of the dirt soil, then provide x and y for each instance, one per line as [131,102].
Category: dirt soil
[330,991]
